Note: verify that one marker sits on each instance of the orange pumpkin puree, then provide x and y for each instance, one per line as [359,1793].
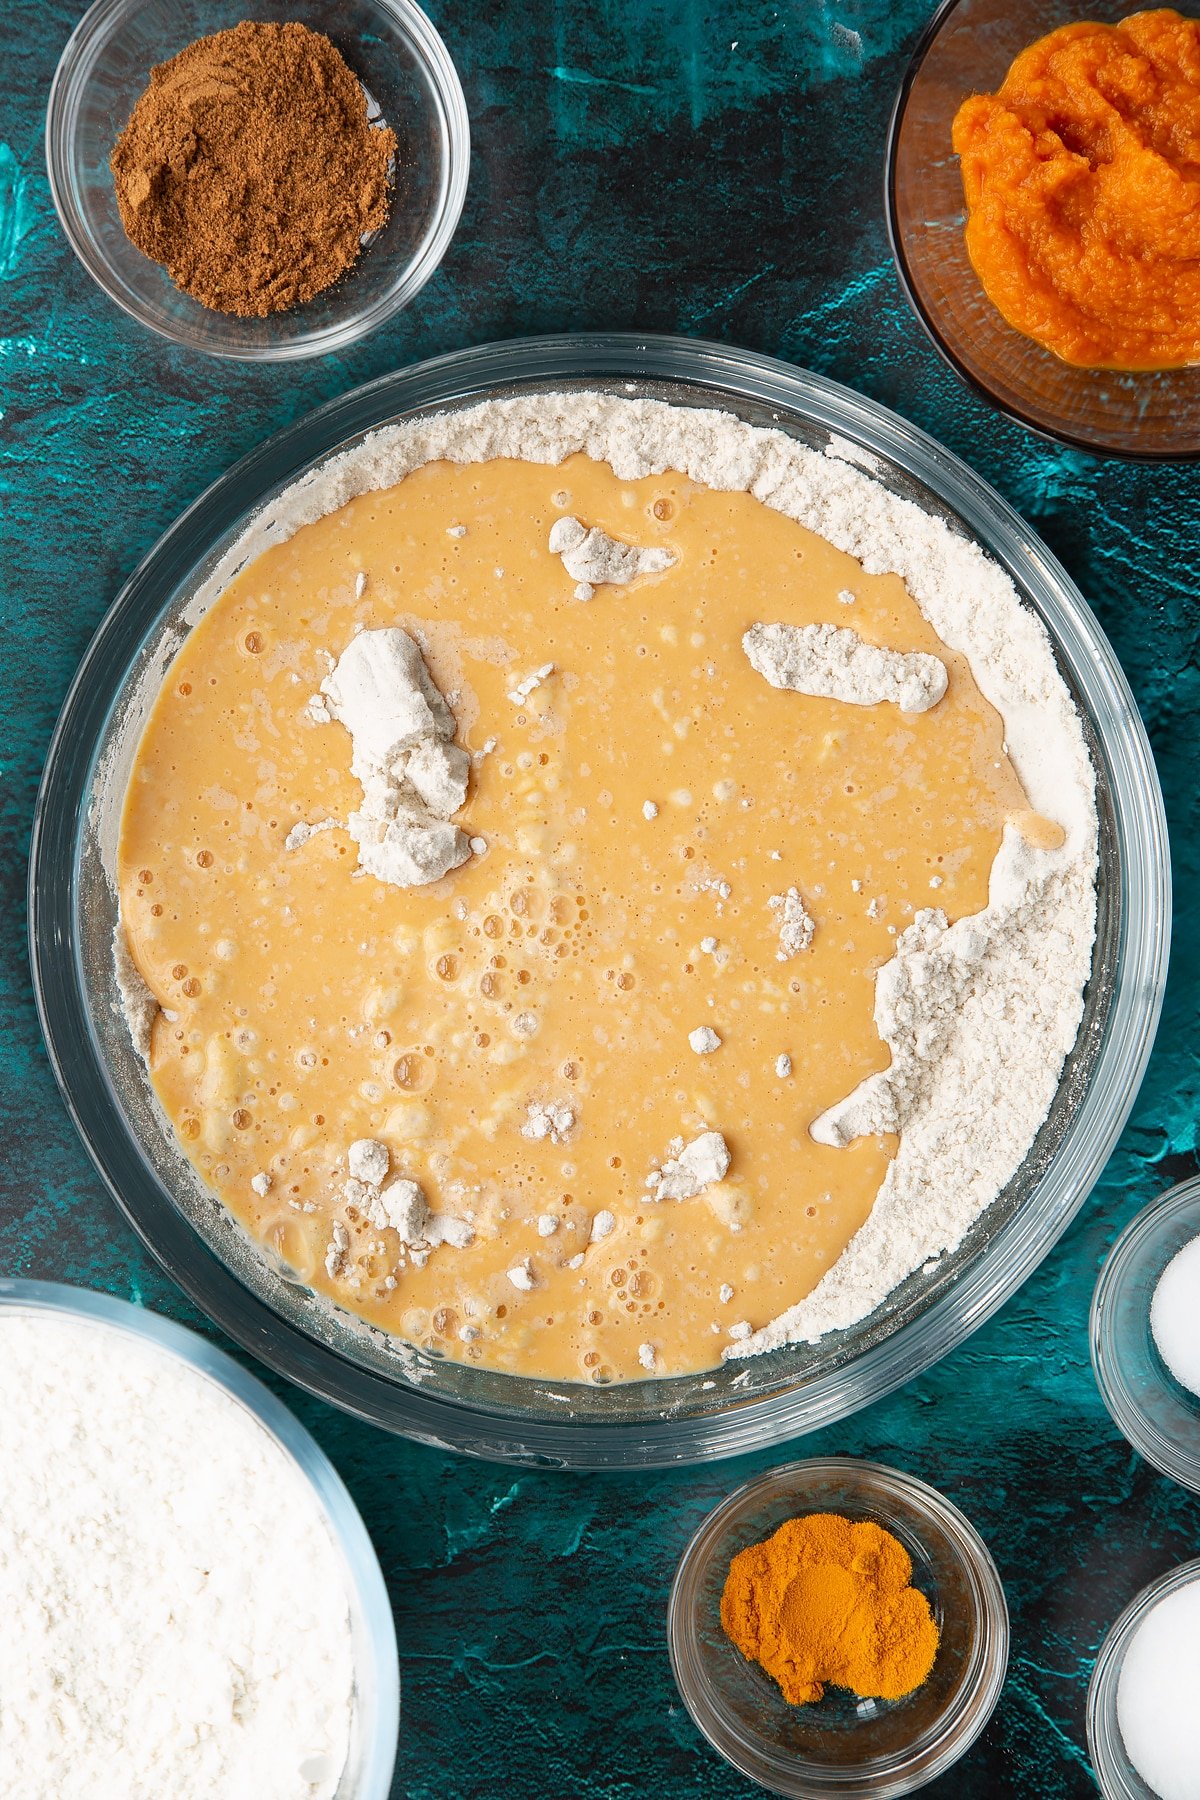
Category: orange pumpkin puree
[1082,182]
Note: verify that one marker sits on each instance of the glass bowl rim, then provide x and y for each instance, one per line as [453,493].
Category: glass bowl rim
[726,376]
[928,36]
[361,1566]
[1101,1705]
[756,1757]
[67,87]
[1129,1418]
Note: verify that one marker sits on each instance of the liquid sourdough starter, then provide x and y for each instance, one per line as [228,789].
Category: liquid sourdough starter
[625,1086]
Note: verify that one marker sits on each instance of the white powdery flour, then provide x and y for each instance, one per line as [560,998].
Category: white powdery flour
[980,1015]
[175,1619]
[413,774]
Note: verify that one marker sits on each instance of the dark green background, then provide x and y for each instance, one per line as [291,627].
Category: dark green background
[652,164]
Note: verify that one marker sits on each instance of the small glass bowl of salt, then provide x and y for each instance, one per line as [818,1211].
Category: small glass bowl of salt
[1143,1724]
[1145,1333]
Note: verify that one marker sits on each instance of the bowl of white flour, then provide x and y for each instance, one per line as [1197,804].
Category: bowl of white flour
[1052,995]
[191,1603]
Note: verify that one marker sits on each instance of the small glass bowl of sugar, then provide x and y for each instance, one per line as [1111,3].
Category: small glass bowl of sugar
[1145,1332]
[1143,1724]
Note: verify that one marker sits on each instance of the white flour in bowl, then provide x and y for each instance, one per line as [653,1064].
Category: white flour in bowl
[174,1623]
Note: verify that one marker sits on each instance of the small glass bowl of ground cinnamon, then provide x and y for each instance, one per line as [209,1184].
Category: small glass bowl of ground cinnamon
[394,72]
[908,1569]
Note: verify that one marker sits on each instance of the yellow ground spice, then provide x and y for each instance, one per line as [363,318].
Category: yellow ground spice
[828,1600]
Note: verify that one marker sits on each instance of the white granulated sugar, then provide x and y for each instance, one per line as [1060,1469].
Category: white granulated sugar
[704,1040]
[1156,1697]
[794,923]
[1175,1315]
[551,1119]
[176,1621]
[592,558]
[522,1277]
[413,776]
[836,664]
[697,1166]
[261,1183]
[368,1160]
[1016,971]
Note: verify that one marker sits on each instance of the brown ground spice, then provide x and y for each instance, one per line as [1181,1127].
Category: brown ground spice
[249,170]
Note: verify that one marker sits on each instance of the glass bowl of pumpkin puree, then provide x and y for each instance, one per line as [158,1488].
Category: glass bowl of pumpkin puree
[418,1388]
[1134,410]
[840,1743]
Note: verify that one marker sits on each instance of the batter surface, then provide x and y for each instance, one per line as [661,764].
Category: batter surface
[632,816]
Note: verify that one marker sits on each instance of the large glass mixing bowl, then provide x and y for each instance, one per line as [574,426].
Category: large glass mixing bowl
[258,1301]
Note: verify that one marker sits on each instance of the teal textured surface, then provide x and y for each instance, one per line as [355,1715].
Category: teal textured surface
[651,166]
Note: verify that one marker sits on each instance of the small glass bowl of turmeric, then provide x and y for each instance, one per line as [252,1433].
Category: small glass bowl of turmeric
[835,1571]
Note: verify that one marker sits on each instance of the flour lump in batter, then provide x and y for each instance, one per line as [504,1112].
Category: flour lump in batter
[414,777]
